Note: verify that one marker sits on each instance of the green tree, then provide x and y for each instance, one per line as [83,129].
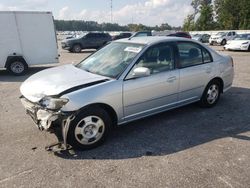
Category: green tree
[233,14]
[245,14]
[203,9]
[189,24]
[205,20]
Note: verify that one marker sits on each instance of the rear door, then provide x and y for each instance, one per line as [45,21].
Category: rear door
[196,70]
[101,39]
[156,92]
[89,41]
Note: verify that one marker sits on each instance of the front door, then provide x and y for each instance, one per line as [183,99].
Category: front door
[156,92]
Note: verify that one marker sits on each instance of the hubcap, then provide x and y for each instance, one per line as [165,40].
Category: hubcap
[89,130]
[212,94]
[77,48]
[17,67]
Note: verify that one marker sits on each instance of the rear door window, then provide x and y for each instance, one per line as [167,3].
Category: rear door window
[191,54]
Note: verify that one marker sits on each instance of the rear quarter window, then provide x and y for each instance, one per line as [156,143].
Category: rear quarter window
[207,58]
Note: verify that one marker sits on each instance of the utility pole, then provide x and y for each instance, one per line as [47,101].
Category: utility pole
[111,11]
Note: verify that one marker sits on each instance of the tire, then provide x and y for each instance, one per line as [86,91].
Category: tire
[89,129]
[211,94]
[17,67]
[248,48]
[211,43]
[223,42]
[76,48]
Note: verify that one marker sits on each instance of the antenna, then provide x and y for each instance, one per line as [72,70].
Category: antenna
[111,11]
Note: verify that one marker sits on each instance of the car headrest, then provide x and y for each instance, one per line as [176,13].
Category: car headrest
[193,52]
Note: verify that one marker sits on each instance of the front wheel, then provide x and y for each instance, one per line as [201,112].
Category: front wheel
[223,42]
[211,94]
[76,48]
[89,129]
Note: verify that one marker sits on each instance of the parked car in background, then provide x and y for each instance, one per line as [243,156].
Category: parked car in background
[86,41]
[27,38]
[204,38]
[240,42]
[142,34]
[124,81]
[221,38]
[122,36]
[180,34]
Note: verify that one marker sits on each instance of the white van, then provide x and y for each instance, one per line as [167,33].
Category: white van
[26,38]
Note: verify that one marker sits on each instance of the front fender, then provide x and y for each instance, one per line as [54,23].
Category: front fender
[109,93]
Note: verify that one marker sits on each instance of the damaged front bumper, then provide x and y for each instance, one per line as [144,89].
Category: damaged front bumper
[44,119]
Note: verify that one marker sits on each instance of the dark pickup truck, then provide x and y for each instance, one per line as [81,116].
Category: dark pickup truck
[87,41]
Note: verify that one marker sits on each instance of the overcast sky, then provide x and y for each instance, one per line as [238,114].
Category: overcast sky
[148,12]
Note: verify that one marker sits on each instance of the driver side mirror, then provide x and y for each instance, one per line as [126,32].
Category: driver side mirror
[141,72]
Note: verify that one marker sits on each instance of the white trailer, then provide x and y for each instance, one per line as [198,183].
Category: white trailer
[26,38]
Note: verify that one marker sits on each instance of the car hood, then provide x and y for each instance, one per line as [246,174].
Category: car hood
[56,80]
[73,39]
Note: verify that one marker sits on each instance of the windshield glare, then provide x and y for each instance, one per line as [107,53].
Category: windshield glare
[111,60]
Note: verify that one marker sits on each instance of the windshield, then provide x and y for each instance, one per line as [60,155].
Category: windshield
[197,35]
[80,36]
[111,60]
[243,37]
[221,33]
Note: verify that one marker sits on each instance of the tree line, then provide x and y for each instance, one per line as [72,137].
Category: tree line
[81,25]
[218,15]
[207,15]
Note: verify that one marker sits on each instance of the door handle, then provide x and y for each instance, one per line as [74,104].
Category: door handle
[171,79]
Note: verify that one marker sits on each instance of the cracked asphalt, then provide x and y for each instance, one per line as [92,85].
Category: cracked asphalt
[185,147]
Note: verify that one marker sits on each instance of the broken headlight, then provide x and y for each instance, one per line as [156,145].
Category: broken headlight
[53,103]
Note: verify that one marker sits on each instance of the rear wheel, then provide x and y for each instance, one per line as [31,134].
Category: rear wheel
[89,129]
[211,94]
[76,48]
[17,67]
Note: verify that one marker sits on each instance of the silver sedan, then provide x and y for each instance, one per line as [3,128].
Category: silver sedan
[124,81]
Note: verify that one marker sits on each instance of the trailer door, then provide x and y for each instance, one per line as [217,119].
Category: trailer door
[38,38]
[9,40]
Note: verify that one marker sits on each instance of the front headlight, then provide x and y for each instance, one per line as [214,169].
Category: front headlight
[244,43]
[53,103]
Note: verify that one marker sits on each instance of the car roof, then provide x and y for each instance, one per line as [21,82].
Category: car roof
[149,40]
